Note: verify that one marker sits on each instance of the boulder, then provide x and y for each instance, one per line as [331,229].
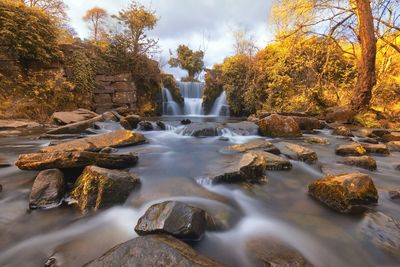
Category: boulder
[258,144]
[99,188]
[390,137]
[345,193]
[377,149]
[274,162]
[145,126]
[368,140]
[161,125]
[342,131]
[12,125]
[340,114]
[394,146]
[186,122]
[316,140]
[174,218]
[271,252]
[207,129]
[75,159]
[243,128]
[352,149]
[63,118]
[395,195]
[48,189]
[381,230]
[365,162]
[297,152]
[308,123]
[130,122]
[119,138]
[82,126]
[279,126]
[153,250]
[250,168]
[108,150]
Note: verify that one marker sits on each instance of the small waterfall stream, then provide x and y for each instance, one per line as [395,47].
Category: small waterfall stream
[221,107]
[193,98]
[170,107]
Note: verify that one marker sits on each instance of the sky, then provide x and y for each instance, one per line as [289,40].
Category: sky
[201,24]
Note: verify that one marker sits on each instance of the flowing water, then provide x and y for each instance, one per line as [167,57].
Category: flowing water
[172,167]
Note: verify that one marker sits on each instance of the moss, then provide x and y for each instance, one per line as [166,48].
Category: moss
[169,82]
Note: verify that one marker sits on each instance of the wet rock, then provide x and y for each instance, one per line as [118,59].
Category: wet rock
[345,193]
[256,145]
[186,122]
[4,164]
[99,188]
[381,230]
[377,149]
[82,126]
[174,218]
[308,123]
[342,131]
[11,125]
[62,136]
[271,252]
[390,137]
[146,126]
[274,162]
[365,162]
[340,114]
[10,133]
[243,128]
[297,152]
[48,189]
[352,149]
[394,146]
[250,168]
[368,140]
[115,139]
[68,117]
[154,250]
[279,126]
[108,150]
[130,122]
[316,140]
[161,125]
[395,195]
[208,129]
[76,159]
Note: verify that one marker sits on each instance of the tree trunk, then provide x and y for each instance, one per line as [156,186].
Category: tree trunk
[366,79]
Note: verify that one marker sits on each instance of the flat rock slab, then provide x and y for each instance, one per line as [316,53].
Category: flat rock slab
[345,193]
[352,149]
[154,250]
[394,146]
[342,131]
[48,189]
[365,162]
[68,117]
[382,230]
[100,188]
[274,162]
[174,218]
[279,126]
[377,149]
[297,152]
[250,168]
[207,129]
[316,140]
[263,145]
[6,125]
[115,139]
[76,159]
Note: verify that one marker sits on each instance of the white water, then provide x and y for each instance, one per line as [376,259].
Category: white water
[193,98]
[170,107]
[221,107]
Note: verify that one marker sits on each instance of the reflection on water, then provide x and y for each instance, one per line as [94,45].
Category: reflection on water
[169,167]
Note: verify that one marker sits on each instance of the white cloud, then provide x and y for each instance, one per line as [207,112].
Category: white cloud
[199,24]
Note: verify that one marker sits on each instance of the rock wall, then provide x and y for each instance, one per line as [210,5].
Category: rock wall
[113,92]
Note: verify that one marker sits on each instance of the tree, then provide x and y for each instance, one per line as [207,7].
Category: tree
[96,17]
[138,20]
[244,44]
[55,8]
[28,34]
[189,60]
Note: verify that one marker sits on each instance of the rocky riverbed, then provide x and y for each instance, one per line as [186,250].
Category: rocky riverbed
[112,190]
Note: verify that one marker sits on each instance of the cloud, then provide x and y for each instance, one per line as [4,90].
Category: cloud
[206,24]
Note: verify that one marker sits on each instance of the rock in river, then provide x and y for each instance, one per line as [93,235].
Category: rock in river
[68,117]
[115,139]
[345,193]
[274,162]
[382,230]
[342,131]
[365,162]
[279,126]
[202,129]
[377,149]
[130,122]
[250,168]
[76,159]
[316,140]
[308,123]
[259,144]
[353,149]
[297,152]
[394,146]
[155,251]
[48,189]
[174,218]
[99,188]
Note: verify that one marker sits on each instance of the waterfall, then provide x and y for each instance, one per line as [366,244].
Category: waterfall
[192,93]
[220,107]
[170,107]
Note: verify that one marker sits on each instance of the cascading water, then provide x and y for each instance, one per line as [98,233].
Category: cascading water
[221,107]
[192,93]
[170,107]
